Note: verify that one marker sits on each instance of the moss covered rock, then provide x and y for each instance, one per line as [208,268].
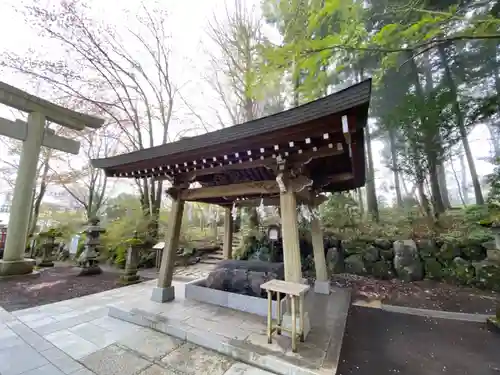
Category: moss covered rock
[433,269]
[383,243]
[383,270]
[387,255]
[351,247]
[427,248]
[354,264]
[335,261]
[371,254]
[407,263]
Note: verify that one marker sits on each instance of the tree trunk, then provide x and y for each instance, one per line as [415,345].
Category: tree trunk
[459,187]
[443,186]
[394,162]
[461,126]
[423,199]
[361,202]
[431,140]
[35,210]
[464,183]
[494,140]
[437,200]
[371,193]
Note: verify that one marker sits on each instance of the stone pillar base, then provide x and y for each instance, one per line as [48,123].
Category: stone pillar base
[163,294]
[322,287]
[129,279]
[90,270]
[16,267]
[46,263]
[287,323]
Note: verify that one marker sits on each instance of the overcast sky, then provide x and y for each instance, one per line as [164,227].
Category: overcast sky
[187,24]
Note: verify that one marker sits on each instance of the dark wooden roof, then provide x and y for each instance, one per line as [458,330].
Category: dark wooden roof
[238,153]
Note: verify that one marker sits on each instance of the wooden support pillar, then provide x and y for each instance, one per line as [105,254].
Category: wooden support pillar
[228,233]
[290,232]
[321,285]
[164,291]
[291,251]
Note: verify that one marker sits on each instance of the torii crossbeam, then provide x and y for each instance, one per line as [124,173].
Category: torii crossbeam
[33,134]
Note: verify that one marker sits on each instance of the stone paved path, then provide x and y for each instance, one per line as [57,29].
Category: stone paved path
[75,337]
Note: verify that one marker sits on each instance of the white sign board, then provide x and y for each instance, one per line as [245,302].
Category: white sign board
[73,246]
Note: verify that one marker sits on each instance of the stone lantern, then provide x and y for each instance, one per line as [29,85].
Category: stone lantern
[130,274]
[88,261]
[48,247]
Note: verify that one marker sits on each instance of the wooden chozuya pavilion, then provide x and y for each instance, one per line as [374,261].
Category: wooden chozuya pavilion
[287,158]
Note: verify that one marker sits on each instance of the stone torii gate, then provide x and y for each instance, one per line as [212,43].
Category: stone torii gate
[34,135]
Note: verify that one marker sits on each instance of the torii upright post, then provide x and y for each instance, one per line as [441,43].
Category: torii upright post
[34,135]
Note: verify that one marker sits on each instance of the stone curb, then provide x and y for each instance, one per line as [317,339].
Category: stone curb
[209,340]
[464,317]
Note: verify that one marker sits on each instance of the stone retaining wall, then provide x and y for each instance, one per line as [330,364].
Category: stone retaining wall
[471,263]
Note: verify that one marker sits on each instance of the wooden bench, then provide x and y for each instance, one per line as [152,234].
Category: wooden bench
[294,291]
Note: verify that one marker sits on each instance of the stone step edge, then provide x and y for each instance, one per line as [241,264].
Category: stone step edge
[209,340]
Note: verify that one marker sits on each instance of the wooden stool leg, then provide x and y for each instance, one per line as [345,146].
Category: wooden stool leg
[278,312]
[269,317]
[301,318]
[294,326]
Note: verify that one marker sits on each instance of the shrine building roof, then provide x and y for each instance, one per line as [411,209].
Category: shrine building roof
[322,139]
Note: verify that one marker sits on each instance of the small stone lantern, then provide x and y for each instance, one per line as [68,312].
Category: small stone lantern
[130,274]
[88,261]
[48,247]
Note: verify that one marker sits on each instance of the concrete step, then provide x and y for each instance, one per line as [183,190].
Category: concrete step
[215,256]
[210,261]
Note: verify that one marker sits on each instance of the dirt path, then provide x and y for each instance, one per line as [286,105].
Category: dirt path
[53,285]
[381,342]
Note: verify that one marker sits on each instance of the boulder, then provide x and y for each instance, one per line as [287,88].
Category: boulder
[382,270]
[335,261]
[371,254]
[253,265]
[433,269]
[354,264]
[407,263]
[244,277]
[351,247]
[462,271]
[427,248]
[448,252]
[330,241]
[383,244]
[387,254]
